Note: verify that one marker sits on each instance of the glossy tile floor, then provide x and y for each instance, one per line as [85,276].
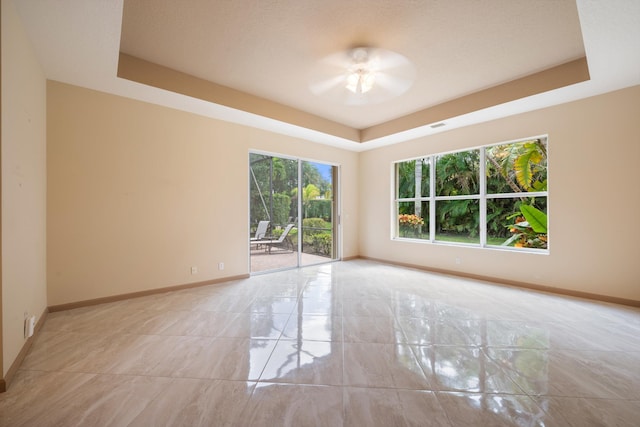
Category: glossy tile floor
[353,343]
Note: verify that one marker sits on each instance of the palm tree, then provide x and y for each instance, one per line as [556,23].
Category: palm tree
[310,192]
[458,173]
[523,166]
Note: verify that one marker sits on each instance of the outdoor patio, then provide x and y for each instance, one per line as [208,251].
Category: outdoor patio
[262,260]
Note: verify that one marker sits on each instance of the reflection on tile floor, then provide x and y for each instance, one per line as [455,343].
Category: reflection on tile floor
[353,343]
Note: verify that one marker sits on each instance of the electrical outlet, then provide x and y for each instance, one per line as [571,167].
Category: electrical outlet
[221,266]
[194,270]
[31,326]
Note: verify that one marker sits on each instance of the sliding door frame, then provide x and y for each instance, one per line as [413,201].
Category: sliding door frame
[336,210]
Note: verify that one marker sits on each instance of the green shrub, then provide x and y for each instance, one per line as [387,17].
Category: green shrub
[281,207]
[315,223]
[321,243]
[319,208]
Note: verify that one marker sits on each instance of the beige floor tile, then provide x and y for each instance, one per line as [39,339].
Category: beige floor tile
[450,368]
[194,323]
[507,333]
[305,362]
[256,325]
[418,330]
[321,290]
[273,305]
[63,399]
[287,405]
[408,304]
[239,359]
[103,319]
[382,365]
[156,355]
[64,351]
[361,307]
[495,410]
[370,329]
[313,328]
[320,306]
[606,375]
[459,332]
[196,403]
[581,412]
[355,343]
[35,396]
[593,335]
[385,407]
[223,301]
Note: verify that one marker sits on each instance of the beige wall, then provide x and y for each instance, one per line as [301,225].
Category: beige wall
[137,194]
[23,184]
[594,197]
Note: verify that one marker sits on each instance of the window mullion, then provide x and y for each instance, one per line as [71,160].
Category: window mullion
[514,195]
[483,198]
[432,199]
[395,230]
[461,212]
[463,197]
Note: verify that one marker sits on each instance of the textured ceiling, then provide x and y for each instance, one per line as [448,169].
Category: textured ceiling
[270,48]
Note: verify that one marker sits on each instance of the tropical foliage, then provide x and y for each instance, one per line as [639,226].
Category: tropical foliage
[317,236]
[517,167]
[281,208]
[458,173]
[274,197]
[271,176]
[513,172]
[320,208]
[529,230]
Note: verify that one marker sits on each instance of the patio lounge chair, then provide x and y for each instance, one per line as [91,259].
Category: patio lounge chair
[282,240]
[261,231]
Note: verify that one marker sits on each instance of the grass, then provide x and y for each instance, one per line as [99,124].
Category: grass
[454,238]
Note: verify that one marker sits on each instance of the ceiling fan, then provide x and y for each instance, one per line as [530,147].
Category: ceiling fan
[362,76]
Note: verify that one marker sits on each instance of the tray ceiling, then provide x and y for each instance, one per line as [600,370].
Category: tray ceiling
[250,61]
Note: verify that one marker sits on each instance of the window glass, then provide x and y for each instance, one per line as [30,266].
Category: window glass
[517,222]
[511,197]
[458,174]
[413,220]
[458,221]
[410,173]
[518,167]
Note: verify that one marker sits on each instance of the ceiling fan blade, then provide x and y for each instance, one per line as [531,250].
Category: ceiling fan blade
[340,60]
[393,73]
[321,87]
[393,84]
[387,60]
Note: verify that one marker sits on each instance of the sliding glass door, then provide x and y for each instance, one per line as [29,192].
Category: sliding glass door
[291,212]
[318,232]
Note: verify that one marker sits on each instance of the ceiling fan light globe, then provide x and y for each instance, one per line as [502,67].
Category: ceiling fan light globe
[352,81]
[366,77]
[360,81]
[366,81]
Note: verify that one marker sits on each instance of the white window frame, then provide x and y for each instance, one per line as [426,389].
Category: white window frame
[482,196]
